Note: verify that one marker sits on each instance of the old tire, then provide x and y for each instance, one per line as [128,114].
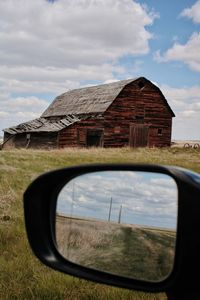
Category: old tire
[196,146]
[187,145]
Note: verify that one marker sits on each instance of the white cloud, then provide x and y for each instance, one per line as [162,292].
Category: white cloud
[3,114]
[14,110]
[188,53]
[185,102]
[9,104]
[140,193]
[70,33]
[193,12]
[51,47]
[20,79]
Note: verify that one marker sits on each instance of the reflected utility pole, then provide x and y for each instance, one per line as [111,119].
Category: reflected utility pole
[110,209]
[120,214]
[73,197]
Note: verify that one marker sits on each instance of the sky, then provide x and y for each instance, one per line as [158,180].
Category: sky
[50,47]
[144,198]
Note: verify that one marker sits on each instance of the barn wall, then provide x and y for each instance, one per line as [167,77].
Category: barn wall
[68,137]
[76,135]
[7,141]
[36,140]
[137,104]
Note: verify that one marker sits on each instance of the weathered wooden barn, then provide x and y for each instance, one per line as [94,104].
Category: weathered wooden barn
[131,113]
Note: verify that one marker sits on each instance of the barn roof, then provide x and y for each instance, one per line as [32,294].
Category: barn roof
[94,99]
[43,125]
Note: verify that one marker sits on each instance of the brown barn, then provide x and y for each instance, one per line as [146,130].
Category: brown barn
[131,112]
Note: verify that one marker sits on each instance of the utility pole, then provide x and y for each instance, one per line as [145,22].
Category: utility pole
[120,214]
[110,209]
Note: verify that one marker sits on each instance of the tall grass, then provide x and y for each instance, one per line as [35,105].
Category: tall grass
[22,276]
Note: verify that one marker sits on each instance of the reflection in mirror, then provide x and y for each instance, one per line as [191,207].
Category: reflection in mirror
[120,222]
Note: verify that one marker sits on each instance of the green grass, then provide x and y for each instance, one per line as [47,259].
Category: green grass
[22,276]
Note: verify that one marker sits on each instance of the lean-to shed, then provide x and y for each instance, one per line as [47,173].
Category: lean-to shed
[131,112]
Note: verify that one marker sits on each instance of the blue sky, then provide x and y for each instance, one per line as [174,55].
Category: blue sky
[169,28]
[145,198]
[49,47]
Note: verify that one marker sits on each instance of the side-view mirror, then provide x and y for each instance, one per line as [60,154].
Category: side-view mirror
[133,226]
[119,222]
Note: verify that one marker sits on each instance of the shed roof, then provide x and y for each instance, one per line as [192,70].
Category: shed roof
[43,125]
[94,99]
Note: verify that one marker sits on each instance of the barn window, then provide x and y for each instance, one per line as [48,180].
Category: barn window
[141,85]
[160,131]
[139,117]
[94,138]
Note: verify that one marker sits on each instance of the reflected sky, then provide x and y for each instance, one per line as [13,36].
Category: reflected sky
[142,198]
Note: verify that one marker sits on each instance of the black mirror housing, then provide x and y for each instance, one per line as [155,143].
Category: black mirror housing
[40,205]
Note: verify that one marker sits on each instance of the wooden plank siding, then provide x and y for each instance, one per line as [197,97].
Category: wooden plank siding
[36,140]
[134,105]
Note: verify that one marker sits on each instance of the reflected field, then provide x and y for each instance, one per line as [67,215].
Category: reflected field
[134,251]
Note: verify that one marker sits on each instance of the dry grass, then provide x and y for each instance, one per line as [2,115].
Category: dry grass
[128,250]
[77,239]
[22,276]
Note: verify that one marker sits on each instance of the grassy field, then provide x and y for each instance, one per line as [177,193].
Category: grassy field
[22,276]
[129,250]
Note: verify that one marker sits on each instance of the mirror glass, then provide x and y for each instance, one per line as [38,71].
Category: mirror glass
[119,222]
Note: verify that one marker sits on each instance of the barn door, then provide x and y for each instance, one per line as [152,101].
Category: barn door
[139,135]
[94,138]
